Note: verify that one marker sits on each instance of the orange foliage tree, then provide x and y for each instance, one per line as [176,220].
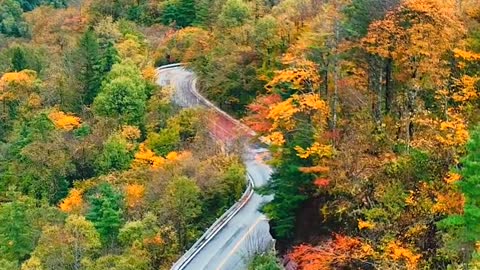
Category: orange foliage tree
[64,121]
[73,203]
[134,194]
[340,252]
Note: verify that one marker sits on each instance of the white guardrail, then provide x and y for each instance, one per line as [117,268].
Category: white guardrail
[223,220]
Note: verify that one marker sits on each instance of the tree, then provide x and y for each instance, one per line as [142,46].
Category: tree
[19,61]
[29,5]
[17,233]
[73,203]
[11,21]
[267,40]
[132,259]
[234,13]
[290,187]
[466,226]
[106,213]
[89,66]
[360,13]
[186,13]
[341,251]
[160,242]
[40,162]
[115,156]
[122,95]
[134,194]
[181,206]
[133,49]
[109,57]
[267,261]
[65,247]
[181,12]
[203,13]
[416,36]
[64,121]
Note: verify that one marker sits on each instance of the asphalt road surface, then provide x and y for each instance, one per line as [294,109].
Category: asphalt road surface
[248,231]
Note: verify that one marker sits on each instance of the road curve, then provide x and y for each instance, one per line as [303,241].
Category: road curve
[245,230]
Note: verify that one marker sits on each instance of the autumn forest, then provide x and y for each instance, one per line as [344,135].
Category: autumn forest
[370,110]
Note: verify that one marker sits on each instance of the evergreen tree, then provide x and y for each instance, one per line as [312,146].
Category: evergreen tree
[19,59]
[186,13]
[469,187]
[106,213]
[169,14]
[466,227]
[109,58]
[89,60]
[203,14]
[182,13]
[289,186]
[16,231]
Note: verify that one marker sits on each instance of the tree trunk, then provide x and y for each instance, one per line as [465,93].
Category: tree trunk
[335,78]
[389,94]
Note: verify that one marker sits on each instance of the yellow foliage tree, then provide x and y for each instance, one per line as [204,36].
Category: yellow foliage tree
[130,133]
[64,121]
[134,194]
[132,48]
[146,157]
[397,252]
[73,203]
[15,85]
[303,77]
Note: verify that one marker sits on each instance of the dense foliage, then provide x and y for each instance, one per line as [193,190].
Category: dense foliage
[369,107]
[98,169]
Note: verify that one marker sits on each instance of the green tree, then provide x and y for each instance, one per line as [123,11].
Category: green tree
[146,233]
[122,99]
[106,213]
[186,13]
[181,12]
[203,13]
[17,234]
[267,40]
[169,13]
[267,261]
[234,13]
[465,228]
[227,190]
[23,57]
[89,66]
[11,21]
[360,13]
[115,156]
[123,94]
[181,205]
[8,265]
[131,259]
[40,163]
[65,247]
[289,186]
[19,60]
[29,5]
[109,57]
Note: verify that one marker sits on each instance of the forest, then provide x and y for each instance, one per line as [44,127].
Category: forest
[370,110]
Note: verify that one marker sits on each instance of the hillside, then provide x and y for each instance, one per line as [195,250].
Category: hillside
[369,109]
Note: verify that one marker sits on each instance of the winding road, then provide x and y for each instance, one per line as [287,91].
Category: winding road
[242,230]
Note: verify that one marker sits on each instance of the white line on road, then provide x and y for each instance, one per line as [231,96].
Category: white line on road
[240,242]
